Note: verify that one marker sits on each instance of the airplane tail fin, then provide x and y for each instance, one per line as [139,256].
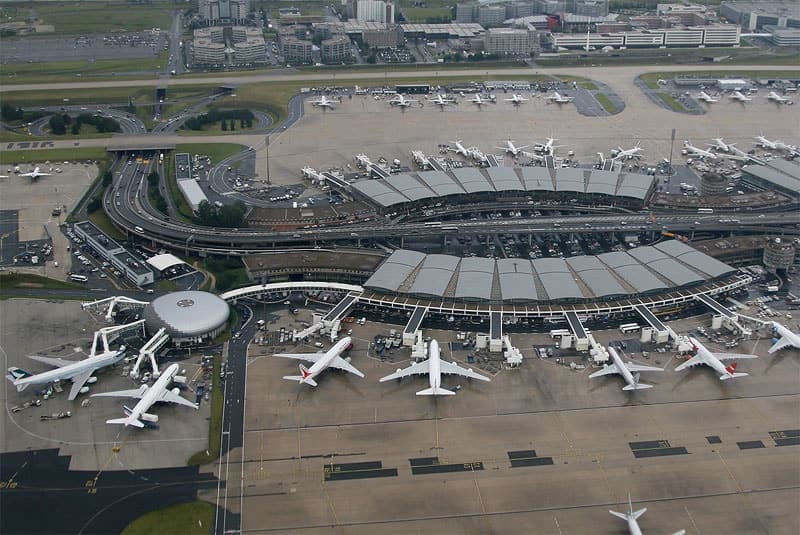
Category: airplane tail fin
[623,516]
[304,377]
[126,421]
[15,373]
[637,386]
[733,375]
[436,391]
[731,372]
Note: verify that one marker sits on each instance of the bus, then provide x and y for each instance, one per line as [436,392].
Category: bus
[79,278]
[705,210]
[433,224]
[626,328]
[558,333]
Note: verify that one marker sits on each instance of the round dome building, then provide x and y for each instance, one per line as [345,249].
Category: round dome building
[189,317]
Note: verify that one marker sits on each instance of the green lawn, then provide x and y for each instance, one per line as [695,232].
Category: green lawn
[102,221]
[26,280]
[605,102]
[194,518]
[671,102]
[216,151]
[43,72]
[83,18]
[421,14]
[215,422]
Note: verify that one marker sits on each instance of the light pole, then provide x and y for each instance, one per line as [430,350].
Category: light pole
[268,183]
[671,145]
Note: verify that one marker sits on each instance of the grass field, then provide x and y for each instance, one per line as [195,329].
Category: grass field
[671,102]
[82,18]
[102,221]
[26,280]
[215,422]
[44,72]
[193,518]
[184,210]
[78,153]
[216,151]
[605,102]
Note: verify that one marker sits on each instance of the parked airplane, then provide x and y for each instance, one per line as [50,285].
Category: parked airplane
[480,101]
[35,174]
[516,99]
[738,95]
[434,366]
[631,518]
[627,154]
[695,151]
[720,144]
[511,148]
[324,102]
[783,338]
[533,156]
[701,355]
[330,359]
[766,143]
[547,148]
[777,98]
[148,396]
[401,101]
[441,100]
[780,145]
[79,372]
[460,149]
[559,99]
[705,97]
[625,369]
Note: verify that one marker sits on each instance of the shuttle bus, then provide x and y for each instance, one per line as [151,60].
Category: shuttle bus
[79,278]
[626,328]
[705,210]
[558,333]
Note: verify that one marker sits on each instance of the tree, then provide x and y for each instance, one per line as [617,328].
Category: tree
[94,205]
[10,113]
[107,178]
[57,125]
[224,125]
[152,179]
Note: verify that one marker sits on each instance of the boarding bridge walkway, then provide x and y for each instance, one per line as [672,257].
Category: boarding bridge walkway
[341,308]
[495,332]
[662,334]
[413,325]
[436,165]
[716,306]
[549,162]
[491,161]
[335,180]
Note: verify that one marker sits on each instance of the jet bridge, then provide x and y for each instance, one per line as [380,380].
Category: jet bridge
[575,325]
[149,350]
[106,335]
[495,332]
[491,161]
[413,325]
[660,332]
[723,315]
[120,302]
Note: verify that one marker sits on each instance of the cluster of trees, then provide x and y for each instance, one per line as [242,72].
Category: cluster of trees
[229,272]
[225,216]
[59,123]
[471,57]
[245,118]
[154,194]
[10,113]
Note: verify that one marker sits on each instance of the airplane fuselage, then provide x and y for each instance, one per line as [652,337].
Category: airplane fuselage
[623,370]
[70,371]
[337,349]
[434,366]
[154,392]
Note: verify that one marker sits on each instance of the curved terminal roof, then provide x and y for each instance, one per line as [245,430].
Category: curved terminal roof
[621,273]
[410,187]
[190,313]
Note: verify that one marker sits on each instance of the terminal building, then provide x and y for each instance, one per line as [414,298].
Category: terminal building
[776,175]
[413,191]
[712,35]
[189,317]
[123,261]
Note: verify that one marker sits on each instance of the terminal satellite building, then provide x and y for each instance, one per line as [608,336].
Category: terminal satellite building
[188,317]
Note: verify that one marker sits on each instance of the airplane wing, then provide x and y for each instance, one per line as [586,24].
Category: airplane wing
[417,368]
[342,364]
[697,359]
[454,369]
[734,356]
[780,344]
[308,357]
[133,393]
[632,366]
[172,397]
[77,383]
[50,361]
[607,370]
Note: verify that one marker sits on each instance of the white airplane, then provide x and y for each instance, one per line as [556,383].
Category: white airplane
[35,174]
[780,145]
[720,144]
[79,372]
[516,99]
[460,149]
[701,355]
[148,396]
[783,338]
[434,366]
[695,151]
[533,156]
[441,100]
[479,100]
[324,102]
[705,97]
[766,143]
[625,369]
[777,98]
[627,154]
[512,149]
[547,148]
[559,99]
[738,95]
[631,518]
[330,359]
[401,101]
